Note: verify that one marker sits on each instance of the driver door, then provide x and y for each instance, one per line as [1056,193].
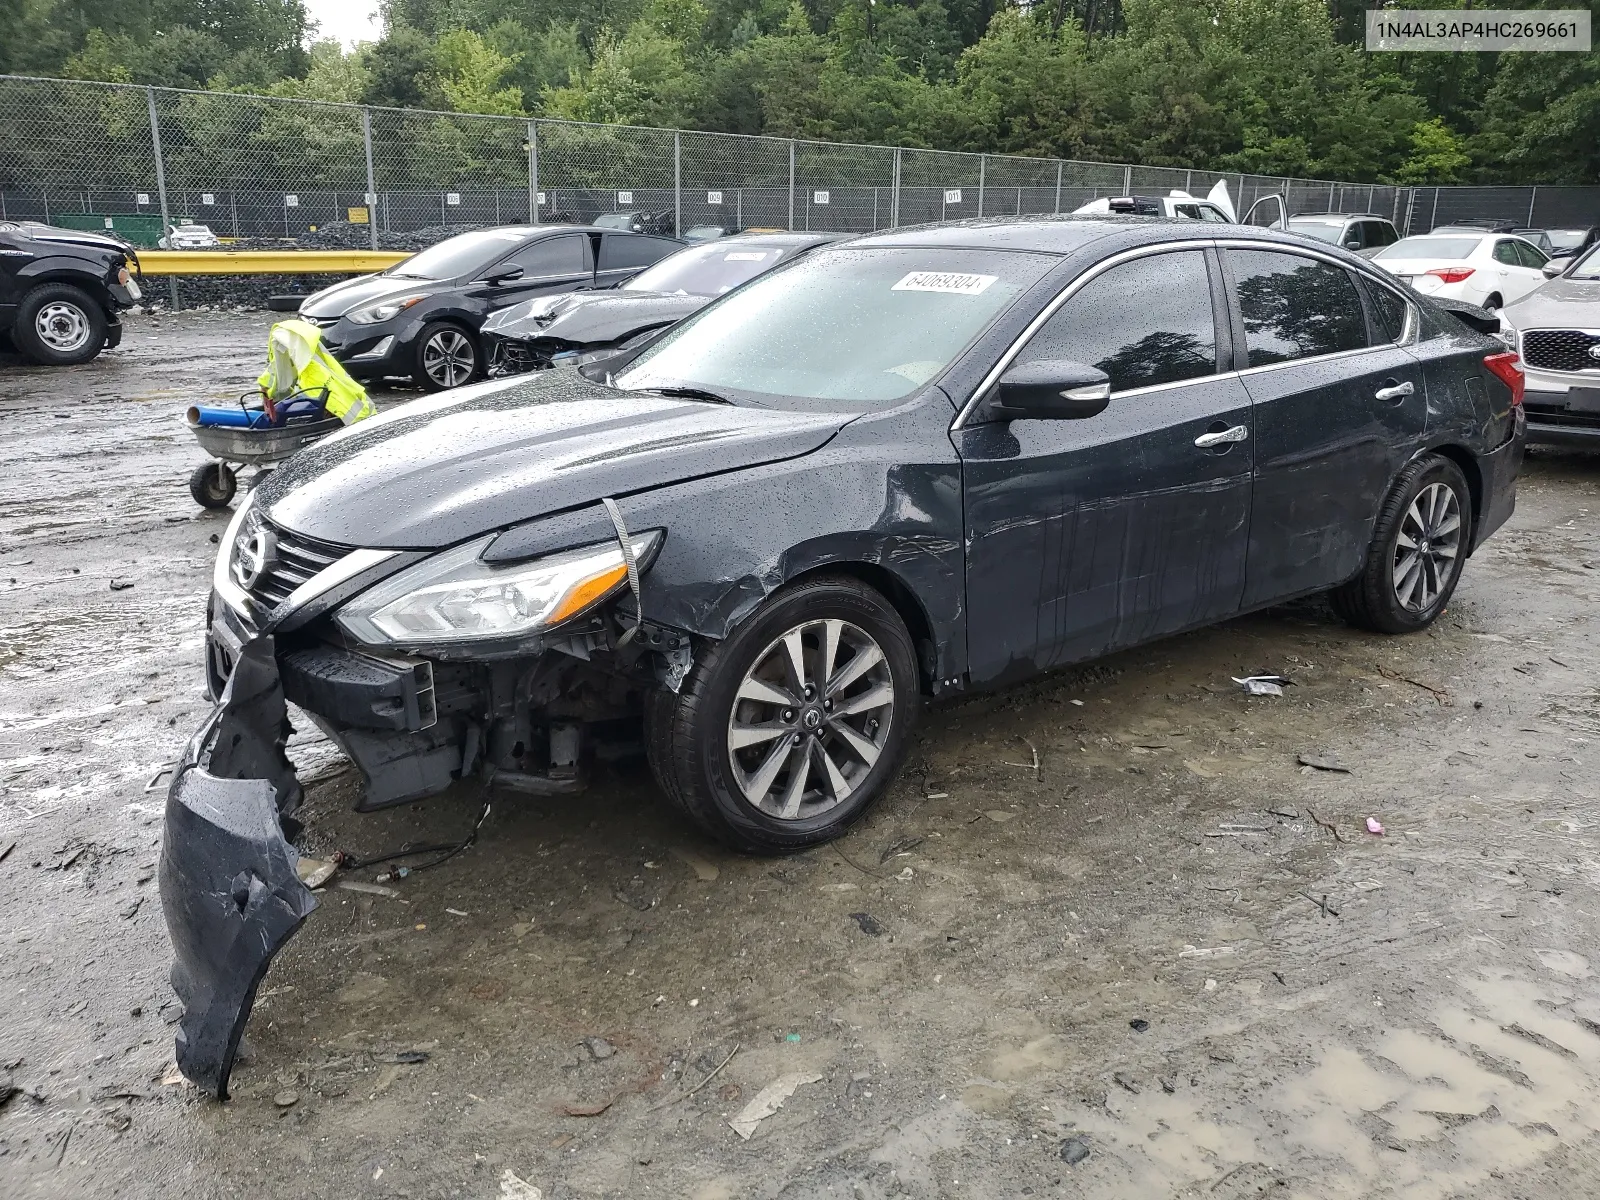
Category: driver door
[1087,535]
[553,264]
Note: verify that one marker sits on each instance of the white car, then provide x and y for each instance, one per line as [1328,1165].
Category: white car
[189,236]
[1487,269]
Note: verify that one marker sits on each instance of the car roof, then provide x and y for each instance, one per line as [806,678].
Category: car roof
[1064,234]
[776,239]
[1345,216]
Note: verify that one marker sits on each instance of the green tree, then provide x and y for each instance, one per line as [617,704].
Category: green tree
[1436,155]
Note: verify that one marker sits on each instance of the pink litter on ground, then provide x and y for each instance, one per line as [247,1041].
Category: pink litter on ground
[1374,826]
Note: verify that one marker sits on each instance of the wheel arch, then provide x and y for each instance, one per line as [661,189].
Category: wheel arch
[900,596]
[1468,463]
[72,276]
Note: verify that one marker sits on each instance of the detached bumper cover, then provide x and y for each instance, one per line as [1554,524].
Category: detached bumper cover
[228,878]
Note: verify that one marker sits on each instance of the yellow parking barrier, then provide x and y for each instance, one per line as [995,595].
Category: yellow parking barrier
[268,262]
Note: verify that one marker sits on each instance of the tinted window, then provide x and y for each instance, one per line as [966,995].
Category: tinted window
[564,255]
[1506,252]
[629,252]
[1381,233]
[1295,307]
[1145,322]
[1531,256]
[1389,311]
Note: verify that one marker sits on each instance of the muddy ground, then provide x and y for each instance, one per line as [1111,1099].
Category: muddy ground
[1168,945]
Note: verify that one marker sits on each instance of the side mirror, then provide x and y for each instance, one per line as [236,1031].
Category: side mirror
[1555,266]
[1051,390]
[505,275]
[1353,244]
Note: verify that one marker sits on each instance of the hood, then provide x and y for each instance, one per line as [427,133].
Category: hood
[586,318]
[81,238]
[1567,303]
[434,472]
[357,293]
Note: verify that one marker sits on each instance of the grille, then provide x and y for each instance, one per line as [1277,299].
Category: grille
[1555,414]
[295,559]
[1560,349]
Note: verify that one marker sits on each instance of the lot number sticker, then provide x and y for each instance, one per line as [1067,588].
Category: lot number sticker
[208,198]
[713,197]
[142,198]
[952,195]
[452,199]
[539,198]
[291,201]
[819,197]
[956,283]
[624,197]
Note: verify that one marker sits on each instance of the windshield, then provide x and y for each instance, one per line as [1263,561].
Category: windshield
[463,254]
[1587,267]
[1322,230]
[1566,239]
[706,270]
[1431,247]
[866,326]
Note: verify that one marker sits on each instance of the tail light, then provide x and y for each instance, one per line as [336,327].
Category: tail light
[1507,368]
[1451,274]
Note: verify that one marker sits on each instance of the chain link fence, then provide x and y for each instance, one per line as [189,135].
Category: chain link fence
[263,167]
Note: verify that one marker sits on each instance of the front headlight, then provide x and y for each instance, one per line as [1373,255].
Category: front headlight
[456,597]
[384,309]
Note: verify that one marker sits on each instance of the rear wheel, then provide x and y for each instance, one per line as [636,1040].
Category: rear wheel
[447,357]
[1493,303]
[59,325]
[790,729]
[1419,545]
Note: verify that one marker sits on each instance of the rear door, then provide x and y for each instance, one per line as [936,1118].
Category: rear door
[1338,406]
[1516,277]
[1086,535]
[623,255]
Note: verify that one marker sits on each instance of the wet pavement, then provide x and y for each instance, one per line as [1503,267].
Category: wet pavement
[1107,937]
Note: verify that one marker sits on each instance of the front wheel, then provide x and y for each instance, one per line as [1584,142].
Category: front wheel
[786,733]
[1419,544]
[213,484]
[447,357]
[58,325]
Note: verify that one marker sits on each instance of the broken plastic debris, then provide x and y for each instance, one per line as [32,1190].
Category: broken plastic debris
[370,889]
[1374,826]
[1322,763]
[1074,1150]
[768,1101]
[513,1187]
[1263,685]
[314,872]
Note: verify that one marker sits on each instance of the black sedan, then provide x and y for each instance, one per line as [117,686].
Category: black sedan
[591,325]
[917,464]
[420,319]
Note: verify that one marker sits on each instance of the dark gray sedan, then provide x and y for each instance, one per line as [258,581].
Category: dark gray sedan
[920,463]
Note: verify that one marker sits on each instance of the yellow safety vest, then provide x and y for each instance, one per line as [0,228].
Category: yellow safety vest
[299,364]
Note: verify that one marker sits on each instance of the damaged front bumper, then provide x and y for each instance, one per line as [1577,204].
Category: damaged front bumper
[229,884]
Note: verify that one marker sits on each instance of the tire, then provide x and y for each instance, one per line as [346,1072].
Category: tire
[213,485]
[59,325]
[1401,591]
[447,356]
[689,735]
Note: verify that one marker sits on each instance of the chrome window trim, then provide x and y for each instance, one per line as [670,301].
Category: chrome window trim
[992,376]
[1176,383]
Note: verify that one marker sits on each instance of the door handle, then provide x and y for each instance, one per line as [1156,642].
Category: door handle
[1397,391]
[1223,436]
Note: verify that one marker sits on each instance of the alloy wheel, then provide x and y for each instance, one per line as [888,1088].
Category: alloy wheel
[449,358]
[62,326]
[1427,546]
[810,718]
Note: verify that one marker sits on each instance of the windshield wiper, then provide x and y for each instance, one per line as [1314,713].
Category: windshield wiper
[689,393]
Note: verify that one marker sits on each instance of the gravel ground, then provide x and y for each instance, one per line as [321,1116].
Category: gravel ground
[1107,937]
